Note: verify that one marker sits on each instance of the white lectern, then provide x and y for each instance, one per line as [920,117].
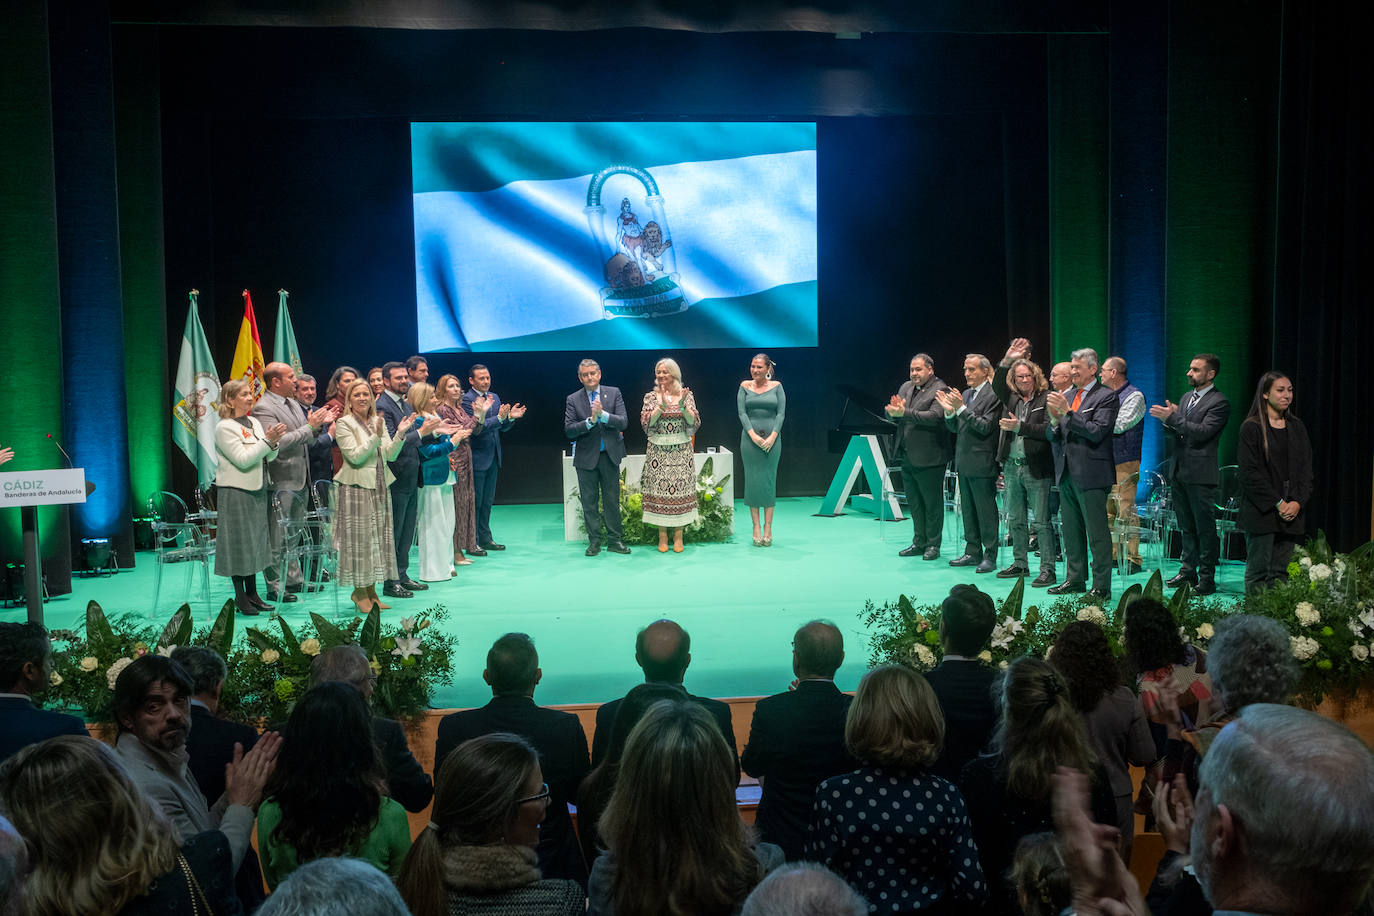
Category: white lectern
[27,490]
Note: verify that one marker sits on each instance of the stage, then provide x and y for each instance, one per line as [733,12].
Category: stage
[740,603]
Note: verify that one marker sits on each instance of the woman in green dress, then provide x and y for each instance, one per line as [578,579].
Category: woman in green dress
[762,404]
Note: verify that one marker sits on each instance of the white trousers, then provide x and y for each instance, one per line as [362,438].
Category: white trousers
[436,532]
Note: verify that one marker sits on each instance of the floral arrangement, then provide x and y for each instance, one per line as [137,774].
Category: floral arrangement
[1327,606]
[715,510]
[267,671]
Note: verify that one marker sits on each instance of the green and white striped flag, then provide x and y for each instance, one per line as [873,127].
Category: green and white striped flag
[284,349]
[195,397]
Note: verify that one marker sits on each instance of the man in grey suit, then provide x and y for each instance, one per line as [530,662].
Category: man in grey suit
[973,418]
[1081,421]
[289,475]
[594,419]
[923,449]
[1194,425]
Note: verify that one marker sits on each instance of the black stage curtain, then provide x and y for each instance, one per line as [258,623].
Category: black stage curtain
[1322,323]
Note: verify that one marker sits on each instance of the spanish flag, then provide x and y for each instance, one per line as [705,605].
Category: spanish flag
[248,361]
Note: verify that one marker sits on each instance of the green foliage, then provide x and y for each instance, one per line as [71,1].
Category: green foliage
[715,510]
[267,673]
[1327,606]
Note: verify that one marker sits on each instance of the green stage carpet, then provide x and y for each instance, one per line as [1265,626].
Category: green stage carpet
[740,603]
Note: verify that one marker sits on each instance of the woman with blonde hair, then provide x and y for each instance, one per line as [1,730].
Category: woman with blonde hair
[904,813]
[476,855]
[362,520]
[675,843]
[242,545]
[1008,791]
[448,395]
[96,846]
[669,480]
[436,493]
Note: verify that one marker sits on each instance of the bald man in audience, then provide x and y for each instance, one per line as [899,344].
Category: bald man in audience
[796,740]
[663,650]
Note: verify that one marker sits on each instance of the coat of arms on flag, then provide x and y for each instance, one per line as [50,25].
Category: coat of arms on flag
[640,266]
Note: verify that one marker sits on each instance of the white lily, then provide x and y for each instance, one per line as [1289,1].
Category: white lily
[406,646]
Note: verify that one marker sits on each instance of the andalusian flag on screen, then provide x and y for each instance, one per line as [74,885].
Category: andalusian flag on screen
[195,397]
[543,236]
[248,361]
[284,348]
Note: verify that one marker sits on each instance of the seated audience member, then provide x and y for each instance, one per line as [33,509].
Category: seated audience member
[664,650]
[1251,661]
[1041,876]
[328,794]
[212,739]
[804,889]
[675,843]
[963,685]
[1161,660]
[596,789]
[25,667]
[97,845]
[1008,791]
[14,869]
[513,672]
[1111,713]
[477,853]
[893,829]
[152,708]
[327,887]
[210,746]
[1281,824]
[797,738]
[406,780]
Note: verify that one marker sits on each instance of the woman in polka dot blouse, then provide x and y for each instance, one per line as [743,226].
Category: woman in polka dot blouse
[897,833]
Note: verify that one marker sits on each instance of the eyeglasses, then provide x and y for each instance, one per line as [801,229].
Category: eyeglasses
[542,796]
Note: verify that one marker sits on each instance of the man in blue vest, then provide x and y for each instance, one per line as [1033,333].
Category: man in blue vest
[1128,435]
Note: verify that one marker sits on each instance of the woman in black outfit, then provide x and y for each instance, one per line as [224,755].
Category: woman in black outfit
[1275,459]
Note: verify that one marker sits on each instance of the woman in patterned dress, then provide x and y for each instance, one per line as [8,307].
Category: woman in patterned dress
[449,392]
[669,480]
[362,522]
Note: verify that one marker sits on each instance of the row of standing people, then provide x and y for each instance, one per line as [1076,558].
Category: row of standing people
[1077,438]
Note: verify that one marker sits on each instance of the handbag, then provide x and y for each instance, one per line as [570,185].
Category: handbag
[198,898]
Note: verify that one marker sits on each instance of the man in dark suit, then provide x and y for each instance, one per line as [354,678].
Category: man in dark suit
[923,449]
[664,650]
[1194,425]
[513,672]
[320,453]
[407,781]
[486,448]
[1082,421]
[210,746]
[1027,460]
[962,683]
[973,418]
[405,489]
[796,740]
[25,669]
[594,419]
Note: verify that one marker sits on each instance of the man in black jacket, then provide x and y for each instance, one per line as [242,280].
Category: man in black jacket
[664,650]
[973,418]
[962,683]
[796,740]
[923,449]
[1194,426]
[1027,460]
[513,672]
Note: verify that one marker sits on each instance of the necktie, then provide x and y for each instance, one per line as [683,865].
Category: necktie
[1077,399]
[1192,399]
[969,396]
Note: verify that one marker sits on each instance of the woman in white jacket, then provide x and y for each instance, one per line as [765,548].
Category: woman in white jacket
[362,523]
[241,543]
